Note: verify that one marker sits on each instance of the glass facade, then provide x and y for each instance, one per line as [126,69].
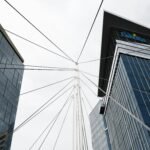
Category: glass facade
[131,88]
[10,84]
[98,130]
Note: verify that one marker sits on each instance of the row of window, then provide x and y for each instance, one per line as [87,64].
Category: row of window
[8,50]
[10,82]
[141,74]
[99,139]
[14,75]
[126,133]
[7,111]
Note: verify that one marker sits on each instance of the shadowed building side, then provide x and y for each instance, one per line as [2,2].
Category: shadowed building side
[10,85]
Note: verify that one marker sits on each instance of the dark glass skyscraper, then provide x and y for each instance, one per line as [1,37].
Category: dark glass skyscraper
[126,89]
[10,84]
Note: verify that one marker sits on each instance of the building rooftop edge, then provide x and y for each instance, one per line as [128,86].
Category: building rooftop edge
[125,18]
[11,43]
[110,22]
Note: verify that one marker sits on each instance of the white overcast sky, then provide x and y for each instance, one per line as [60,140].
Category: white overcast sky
[66,22]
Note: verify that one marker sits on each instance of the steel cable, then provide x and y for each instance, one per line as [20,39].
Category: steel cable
[33,43]
[62,126]
[90,30]
[39,30]
[32,115]
[55,121]
[42,87]
[126,110]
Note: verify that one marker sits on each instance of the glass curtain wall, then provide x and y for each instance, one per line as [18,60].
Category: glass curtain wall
[131,88]
[99,134]
[10,84]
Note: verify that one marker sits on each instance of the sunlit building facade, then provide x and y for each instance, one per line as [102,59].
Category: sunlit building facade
[10,84]
[98,130]
[126,88]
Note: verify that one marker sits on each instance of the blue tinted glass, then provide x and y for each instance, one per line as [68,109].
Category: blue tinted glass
[131,89]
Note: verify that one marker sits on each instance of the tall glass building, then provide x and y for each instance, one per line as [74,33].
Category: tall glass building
[10,84]
[99,130]
[126,89]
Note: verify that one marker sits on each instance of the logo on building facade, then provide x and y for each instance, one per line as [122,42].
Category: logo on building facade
[132,36]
